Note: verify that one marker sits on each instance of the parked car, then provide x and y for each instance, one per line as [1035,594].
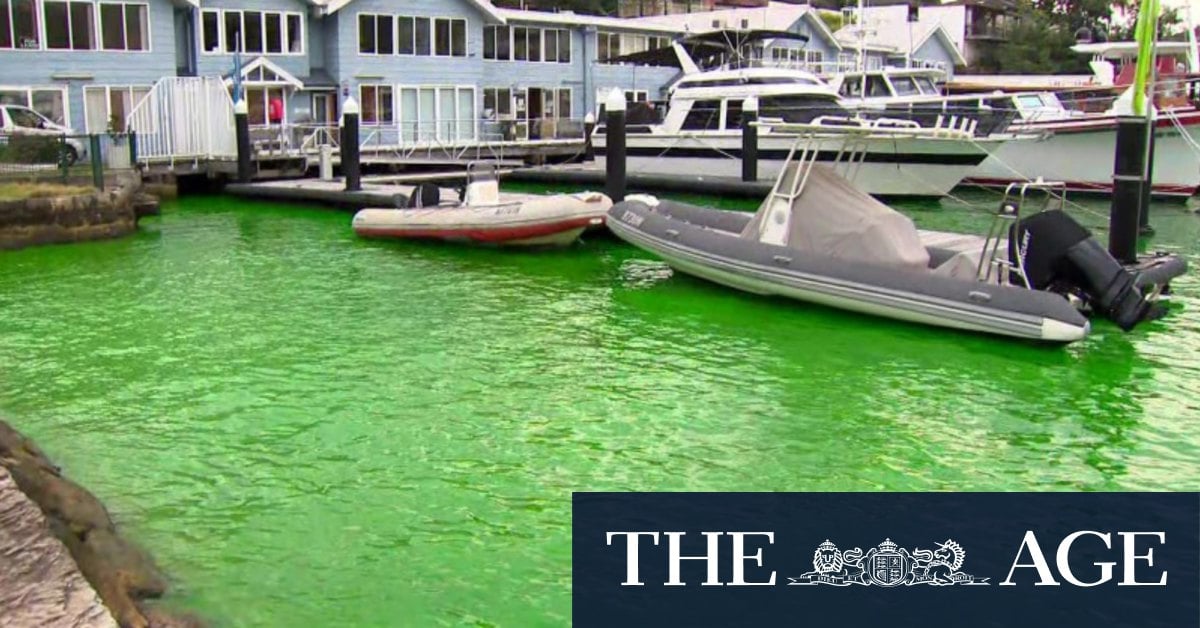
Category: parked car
[18,120]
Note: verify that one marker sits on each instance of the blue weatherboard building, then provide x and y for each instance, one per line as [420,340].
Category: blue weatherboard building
[425,66]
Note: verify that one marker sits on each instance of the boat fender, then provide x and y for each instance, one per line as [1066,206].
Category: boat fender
[645,199]
[590,197]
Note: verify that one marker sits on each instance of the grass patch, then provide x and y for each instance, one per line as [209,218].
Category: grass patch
[21,191]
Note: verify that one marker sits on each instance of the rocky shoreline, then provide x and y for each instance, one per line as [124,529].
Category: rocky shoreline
[48,522]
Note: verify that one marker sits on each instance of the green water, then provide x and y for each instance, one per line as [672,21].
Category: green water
[307,429]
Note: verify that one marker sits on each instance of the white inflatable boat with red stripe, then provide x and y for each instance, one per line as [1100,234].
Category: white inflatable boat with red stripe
[485,216]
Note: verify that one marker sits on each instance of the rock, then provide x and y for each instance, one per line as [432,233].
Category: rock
[40,585]
[121,573]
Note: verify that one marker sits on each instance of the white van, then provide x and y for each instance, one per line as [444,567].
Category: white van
[18,120]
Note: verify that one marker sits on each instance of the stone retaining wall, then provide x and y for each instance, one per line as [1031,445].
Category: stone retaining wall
[65,219]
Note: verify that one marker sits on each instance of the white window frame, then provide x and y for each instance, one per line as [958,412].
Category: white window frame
[284,32]
[375,16]
[422,133]
[395,104]
[95,29]
[100,29]
[39,28]
[29,89]
[512,107]
[108,90]
[541,36]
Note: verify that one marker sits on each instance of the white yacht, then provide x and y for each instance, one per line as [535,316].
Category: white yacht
[1071,146]
[699,130]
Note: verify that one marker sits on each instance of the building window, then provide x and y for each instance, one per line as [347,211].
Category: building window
[377,104]
[19,25]
[210,31]
[497,102]
[522,43]
[69,25]
[376,34]
[423,46]
[443,112]
[497,43]
[612,45]
[108,107]
[262,32]
[458,38]
[49,102]
[124,26]
[608,47]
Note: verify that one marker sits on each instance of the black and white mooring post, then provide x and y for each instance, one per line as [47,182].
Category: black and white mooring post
[351,168]
[1129,177]
[1144,227]
[241,123]
[614,141]
[750,139]
[589,127]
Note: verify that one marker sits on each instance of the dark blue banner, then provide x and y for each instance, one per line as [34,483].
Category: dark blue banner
[843,560]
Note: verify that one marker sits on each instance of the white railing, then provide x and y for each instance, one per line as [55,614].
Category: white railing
[831,68]
[185,118]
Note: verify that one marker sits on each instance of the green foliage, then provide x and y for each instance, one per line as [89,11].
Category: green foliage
[30,149]
[1040,41]
[832,20]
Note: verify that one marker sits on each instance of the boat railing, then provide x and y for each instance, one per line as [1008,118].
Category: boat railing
[1002,260]
[950,128]
[824,68]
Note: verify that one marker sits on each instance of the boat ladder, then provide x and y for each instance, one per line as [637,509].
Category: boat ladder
[995,267]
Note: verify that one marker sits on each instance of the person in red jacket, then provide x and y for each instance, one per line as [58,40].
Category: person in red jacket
[275,110]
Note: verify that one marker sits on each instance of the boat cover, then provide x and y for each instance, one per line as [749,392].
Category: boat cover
[831,218]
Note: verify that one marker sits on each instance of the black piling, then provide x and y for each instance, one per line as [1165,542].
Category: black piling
[750,139]
[1144,227]
[1129,177]
[589,127]
[614,134]
[241,123]
[351,168]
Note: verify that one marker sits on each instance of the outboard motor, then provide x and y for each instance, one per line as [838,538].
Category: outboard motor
[1059,252]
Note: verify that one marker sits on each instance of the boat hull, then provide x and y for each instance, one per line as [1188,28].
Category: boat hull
[713,253]
[891,167]
[527,221]
[1080,154]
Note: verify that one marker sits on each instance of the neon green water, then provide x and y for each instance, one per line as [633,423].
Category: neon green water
[308,429]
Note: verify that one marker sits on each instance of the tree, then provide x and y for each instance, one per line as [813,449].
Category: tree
[1037,43]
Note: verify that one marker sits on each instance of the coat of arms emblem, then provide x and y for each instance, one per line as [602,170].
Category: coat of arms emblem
[888,565]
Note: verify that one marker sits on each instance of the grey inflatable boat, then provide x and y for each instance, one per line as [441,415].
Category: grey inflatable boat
[817,239]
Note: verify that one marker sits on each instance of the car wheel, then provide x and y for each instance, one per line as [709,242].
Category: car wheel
[69,156]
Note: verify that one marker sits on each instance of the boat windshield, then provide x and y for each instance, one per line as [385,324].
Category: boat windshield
[905,86]
[927,86]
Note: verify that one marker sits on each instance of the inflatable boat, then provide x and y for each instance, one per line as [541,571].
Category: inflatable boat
[818,239]
[482,215]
